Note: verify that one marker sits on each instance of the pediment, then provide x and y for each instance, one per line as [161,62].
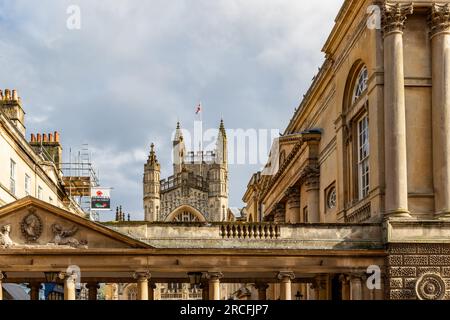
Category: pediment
[31,223]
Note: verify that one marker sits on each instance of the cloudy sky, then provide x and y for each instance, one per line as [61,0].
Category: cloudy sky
[135,67]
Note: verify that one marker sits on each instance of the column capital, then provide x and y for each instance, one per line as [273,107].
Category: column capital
[68,276]
[344,278]
[439,18]
[286,274]
[215,275]
[142,275]
[2,275]
[394,16]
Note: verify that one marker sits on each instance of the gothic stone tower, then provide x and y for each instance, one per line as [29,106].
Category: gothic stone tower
[198,188]
[152,173]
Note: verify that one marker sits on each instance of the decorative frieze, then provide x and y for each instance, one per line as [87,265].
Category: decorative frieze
[440,18]
[394,16]
[418,271]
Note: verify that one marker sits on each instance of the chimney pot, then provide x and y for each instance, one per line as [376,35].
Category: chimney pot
[39,139]
[14,95]
[33,138]
[1,95]
[56,136]
[7,94]
[44,137]
[50,137]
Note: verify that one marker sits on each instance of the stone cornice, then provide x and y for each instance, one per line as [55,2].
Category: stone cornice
[440,18]
[394,16]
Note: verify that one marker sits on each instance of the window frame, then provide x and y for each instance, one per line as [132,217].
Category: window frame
[27,185]
[12,176]
[363,155]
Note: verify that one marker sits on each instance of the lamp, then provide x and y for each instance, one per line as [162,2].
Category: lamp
[195,278]
[51,277]
[298,296]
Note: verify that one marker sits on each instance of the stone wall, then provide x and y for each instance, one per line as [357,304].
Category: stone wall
[418,271]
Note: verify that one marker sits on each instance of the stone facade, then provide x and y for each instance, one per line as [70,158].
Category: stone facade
[418,271]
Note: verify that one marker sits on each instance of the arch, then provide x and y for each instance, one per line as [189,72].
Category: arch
[352,79]
[172,217]
[130,292]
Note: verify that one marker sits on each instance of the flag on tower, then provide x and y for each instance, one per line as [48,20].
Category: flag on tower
[198,108]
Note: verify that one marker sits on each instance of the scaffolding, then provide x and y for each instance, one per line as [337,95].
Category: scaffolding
[80,177]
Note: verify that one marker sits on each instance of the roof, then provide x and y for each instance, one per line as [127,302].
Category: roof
[15,291]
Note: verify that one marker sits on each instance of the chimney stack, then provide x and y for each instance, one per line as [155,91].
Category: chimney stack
[11,105]
[44,137]
[39,139]
[33,138]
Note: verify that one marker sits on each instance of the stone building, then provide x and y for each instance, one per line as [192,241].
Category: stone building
[357,208]
[370,142]
[198,188]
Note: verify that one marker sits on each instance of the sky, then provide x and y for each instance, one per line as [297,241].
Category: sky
[124,75]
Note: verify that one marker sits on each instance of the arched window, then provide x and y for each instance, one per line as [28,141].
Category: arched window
[361,84]
[356,135]
[185,216]
[132,293]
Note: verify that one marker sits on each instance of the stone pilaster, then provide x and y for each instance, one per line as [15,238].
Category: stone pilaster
[214,285]
[142,284]
[394,17]
[440,44]
[286,278]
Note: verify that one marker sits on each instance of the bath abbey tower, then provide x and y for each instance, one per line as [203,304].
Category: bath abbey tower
[198,188]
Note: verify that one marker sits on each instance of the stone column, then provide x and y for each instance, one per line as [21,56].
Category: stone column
[345,283]
[293,205]
[262,290]
[92,290]
[142,284]
[285,278]
[2,276]
[396,193]
[312,182]
[322,287]
[440,46]
[356,287]
[69,285]
[34,290]
[214,285]
[151,290]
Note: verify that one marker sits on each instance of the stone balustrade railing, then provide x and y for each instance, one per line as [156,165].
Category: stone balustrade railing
[250,231]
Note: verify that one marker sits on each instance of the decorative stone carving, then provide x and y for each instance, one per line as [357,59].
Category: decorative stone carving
[430,286]
[394,16]
[31,226]
[65,236]
[440,18]
[5,239]
[286,274]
